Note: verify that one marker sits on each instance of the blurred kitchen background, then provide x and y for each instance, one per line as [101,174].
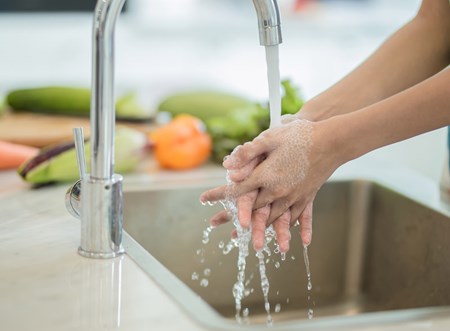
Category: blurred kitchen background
[163,46]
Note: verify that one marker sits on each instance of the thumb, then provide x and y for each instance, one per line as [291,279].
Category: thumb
[244,154]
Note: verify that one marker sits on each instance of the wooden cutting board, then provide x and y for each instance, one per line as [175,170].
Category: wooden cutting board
[41,130]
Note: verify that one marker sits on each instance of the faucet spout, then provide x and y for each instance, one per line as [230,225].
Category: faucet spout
[268,22]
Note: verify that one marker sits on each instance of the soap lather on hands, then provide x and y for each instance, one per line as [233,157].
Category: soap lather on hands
[270,181]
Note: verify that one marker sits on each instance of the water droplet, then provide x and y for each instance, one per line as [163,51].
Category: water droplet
[292,257]
[199,251]
[277,308]
[229,246]
[287,300]
[278,292]
[194,276]
[310,313]
[245,312]
[206,233]
[207,272]
[309,285]
[202,260]
[221,244]
[204,282]
[277,264]
[283,256]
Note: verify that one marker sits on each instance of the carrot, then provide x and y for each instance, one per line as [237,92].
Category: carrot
[13,155]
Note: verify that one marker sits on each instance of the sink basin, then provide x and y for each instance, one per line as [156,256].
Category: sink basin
[377,256]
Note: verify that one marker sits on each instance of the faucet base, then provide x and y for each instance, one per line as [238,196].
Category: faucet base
[101,217]
[97,255]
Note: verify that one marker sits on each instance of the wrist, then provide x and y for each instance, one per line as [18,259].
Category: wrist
[315,110]
[341,137]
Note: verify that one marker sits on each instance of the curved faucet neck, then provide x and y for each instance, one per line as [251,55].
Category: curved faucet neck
[102,98]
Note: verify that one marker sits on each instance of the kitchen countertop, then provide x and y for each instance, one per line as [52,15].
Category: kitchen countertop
[46,285]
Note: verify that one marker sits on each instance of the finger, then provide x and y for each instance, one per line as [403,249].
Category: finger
[244,154]
[263,199]
[306,224]
[215,194]
[278,208]
[251,183]
[245,206]
[281,227]
[220,218]
[296,210]
[242,173]
[259,227]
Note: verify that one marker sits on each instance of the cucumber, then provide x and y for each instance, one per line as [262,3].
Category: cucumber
[58,163]
[52,100]
[63,100]
[203,104]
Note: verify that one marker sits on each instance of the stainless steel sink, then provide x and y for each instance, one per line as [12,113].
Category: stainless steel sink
[376,256]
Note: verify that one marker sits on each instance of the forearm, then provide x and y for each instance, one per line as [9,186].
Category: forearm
[419,109]
[417,51]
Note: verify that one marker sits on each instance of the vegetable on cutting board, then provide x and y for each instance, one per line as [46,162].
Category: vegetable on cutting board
[59,164]
[64,100]
[181,144]
[230,120]
[202,104]
[13,155]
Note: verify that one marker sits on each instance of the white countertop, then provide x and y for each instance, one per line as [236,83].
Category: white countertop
[46,285]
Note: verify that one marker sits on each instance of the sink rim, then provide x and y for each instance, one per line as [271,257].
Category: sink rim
[419,189]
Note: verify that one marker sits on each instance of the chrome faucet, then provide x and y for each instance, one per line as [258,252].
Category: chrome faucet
[269,23]
[97,197]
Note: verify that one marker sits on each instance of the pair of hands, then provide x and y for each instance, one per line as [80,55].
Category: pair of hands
[275,178]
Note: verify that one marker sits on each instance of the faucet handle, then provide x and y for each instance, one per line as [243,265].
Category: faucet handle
[80,151]
[73,194]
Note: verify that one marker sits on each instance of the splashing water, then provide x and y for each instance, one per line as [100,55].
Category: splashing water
[206,234]
[242,242]
[265,286]
[244,235]
[309,285]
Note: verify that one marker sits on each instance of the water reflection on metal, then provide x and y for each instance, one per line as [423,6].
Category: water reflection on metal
[101,294]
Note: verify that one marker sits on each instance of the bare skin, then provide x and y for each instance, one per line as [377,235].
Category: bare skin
[402,90]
